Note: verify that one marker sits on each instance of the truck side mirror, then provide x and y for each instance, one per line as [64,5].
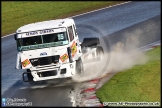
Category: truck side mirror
[75,32]
[15,36]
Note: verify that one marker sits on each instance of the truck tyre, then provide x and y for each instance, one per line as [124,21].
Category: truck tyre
[99,51]
[90,42]
[79,67]
[30,77]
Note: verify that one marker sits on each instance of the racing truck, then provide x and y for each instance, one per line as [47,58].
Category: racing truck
[51,49]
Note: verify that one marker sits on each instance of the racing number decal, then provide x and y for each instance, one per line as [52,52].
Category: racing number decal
[25,63]
[64,57]
[73,49]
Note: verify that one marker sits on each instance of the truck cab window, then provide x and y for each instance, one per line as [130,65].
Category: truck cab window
[71,34]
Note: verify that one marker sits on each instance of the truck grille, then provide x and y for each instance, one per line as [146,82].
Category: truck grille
[47,73]
[51,73]
[44,60]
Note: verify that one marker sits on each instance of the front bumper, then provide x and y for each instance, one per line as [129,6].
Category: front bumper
[53,71]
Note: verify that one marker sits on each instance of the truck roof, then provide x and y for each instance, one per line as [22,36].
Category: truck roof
[45,25]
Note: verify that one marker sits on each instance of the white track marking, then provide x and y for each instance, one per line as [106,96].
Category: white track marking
[101,9]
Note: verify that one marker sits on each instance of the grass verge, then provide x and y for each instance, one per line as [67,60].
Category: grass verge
[18,13]
[140,83]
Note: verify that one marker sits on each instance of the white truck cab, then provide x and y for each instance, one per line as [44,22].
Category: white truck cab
[49,50]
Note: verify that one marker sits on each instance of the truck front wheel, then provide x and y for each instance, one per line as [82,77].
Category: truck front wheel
[79,67]
[30,77]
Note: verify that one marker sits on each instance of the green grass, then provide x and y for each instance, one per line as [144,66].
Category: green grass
[18,13]
[140,83]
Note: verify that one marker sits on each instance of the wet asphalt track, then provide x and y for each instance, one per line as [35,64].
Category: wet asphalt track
[137,20]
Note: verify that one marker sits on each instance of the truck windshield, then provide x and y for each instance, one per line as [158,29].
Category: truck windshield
[42,41]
